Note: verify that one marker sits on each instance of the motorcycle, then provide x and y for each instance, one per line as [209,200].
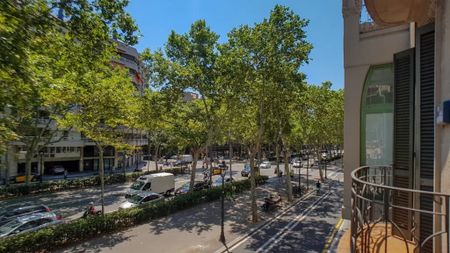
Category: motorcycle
[271,203]
[91,211]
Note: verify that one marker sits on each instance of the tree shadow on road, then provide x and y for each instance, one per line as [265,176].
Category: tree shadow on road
[98,244]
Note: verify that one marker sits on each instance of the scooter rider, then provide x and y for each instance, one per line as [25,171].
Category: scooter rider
[91,208]
[318,186]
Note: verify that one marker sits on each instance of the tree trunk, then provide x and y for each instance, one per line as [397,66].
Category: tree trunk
[102,177]
[210,162]
[319,157]
[28,158]
[6,166]
[156,156]
[230,147]
[300,168]
[253,175]
[286,154]
[124,164]
[277,153]
[195,153]
[307,171]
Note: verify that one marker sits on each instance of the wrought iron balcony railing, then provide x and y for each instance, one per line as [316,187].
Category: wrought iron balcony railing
[386,218]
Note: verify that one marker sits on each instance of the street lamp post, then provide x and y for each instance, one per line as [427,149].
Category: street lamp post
[222,226]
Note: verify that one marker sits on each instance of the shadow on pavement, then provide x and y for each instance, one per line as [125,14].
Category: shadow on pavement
[99,244]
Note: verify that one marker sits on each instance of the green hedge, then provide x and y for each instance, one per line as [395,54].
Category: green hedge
[71,184]
[55,237]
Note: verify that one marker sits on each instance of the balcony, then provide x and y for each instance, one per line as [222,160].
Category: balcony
[366,23]
[388,219]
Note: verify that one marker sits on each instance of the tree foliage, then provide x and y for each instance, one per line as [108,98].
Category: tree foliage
[41,52]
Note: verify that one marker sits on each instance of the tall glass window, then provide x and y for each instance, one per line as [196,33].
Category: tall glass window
[377,121]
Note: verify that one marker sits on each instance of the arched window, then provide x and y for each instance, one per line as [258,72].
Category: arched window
[377,123]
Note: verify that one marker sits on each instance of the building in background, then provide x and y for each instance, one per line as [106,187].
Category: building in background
[397,152]
[190,96]
[74,151]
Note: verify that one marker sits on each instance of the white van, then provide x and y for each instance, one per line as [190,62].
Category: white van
[186,158]
[162,183]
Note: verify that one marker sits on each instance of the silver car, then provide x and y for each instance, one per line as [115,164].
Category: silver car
[297,163]
[141,198]
[29,223]
[21,209]
[265,165]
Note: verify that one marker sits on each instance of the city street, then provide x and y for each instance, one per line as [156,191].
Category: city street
[71,204]
[303,228]
[197,229]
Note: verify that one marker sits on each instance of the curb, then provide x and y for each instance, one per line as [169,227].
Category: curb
[332,235]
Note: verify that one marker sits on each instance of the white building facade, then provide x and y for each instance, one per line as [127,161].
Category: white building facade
[75,152]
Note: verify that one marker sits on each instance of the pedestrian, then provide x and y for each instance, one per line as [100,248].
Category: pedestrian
[318,186]
[65,173]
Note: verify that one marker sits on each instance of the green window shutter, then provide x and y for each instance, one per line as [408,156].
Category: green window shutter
[403,166]
[425,57]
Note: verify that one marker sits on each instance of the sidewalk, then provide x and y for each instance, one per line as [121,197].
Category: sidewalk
[195,230]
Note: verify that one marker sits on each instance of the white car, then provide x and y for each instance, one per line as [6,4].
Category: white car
[297,163]
[141,198]
[265,165]
[57,169]
[218,181]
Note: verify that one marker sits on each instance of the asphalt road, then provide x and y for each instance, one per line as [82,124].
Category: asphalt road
[197,229]
[71,204]
[304,227]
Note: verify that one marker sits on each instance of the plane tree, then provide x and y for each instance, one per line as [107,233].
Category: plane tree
[260,64]
[40,51]
[105,109]
[188,64]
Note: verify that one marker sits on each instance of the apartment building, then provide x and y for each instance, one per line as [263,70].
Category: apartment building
[74,151]
[397,153]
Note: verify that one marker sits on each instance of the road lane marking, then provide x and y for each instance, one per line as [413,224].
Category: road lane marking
[241,239]
[299,218]
[332,235]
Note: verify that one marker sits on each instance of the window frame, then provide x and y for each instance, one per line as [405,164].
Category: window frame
[372,109]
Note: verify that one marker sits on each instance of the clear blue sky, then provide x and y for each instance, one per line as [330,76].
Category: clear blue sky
[156,18]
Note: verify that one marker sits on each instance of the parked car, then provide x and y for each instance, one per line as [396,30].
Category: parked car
[218,181]
[27,223]
[181,163]
[20,178]
[162,183]
[297,163]
[141,198]
[57,169]
[198,186]
[246,171]
[265,165]
[13,211]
